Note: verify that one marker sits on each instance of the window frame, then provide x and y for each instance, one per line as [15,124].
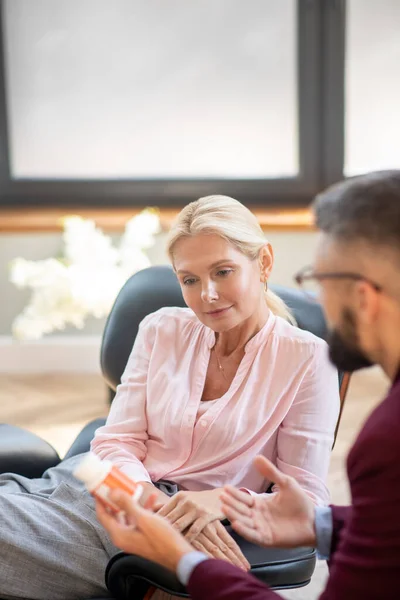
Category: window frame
[320,88]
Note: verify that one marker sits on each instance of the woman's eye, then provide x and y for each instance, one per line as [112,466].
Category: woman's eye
[224,272]
[189,281]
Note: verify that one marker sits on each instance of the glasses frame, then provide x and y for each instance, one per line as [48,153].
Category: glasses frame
[307,274]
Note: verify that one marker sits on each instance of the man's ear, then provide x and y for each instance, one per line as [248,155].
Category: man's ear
[266,262]
[368,300]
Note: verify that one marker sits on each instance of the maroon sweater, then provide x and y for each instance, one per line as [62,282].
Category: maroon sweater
[365,553]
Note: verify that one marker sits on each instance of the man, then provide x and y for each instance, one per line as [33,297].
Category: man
[358,268]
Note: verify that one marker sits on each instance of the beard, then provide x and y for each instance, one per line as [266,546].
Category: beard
[344,350]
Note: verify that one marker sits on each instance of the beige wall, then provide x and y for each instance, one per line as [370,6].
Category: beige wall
[293,250]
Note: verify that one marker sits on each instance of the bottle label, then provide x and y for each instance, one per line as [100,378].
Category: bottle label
[102,492]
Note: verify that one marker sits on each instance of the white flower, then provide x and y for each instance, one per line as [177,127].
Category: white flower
[87,245]
[41,273]
[86,280]
[20,271]
[140,230]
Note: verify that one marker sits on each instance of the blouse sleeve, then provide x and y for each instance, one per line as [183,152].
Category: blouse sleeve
[123,438]
[306,435]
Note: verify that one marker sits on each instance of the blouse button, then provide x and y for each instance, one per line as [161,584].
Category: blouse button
[204,423]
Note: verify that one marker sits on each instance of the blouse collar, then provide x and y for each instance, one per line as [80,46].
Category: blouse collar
[255,342]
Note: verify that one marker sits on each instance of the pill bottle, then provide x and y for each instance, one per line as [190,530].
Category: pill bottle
[102,476]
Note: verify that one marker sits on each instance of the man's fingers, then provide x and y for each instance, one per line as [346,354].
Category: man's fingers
[105,518]
[230,501]
[248,532]
[151,502]
[125,502]
[269,471]
[234,515]
[232,494]
[122,535]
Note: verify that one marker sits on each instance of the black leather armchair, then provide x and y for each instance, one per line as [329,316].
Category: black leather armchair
[130,576]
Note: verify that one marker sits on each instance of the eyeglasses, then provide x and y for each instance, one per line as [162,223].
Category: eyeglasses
[310,281]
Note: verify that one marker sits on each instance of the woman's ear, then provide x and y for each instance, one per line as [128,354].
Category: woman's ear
[266,262]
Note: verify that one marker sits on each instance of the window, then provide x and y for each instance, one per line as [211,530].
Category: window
[372,122]
[106,89]
[138,102]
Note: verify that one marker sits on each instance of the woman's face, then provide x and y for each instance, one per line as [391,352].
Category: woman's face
[220,284]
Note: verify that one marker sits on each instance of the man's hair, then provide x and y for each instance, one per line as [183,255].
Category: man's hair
[363,208]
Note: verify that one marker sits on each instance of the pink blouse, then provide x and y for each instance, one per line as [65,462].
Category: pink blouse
[283,403]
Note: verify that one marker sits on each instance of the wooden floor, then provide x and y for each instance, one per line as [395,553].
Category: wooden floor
[56,407]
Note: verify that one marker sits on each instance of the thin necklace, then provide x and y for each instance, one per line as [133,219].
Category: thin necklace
[221,368]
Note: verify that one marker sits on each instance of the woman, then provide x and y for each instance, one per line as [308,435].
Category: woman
[205,390]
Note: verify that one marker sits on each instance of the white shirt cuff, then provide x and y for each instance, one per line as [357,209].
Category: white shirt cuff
[187,564]
[323,531]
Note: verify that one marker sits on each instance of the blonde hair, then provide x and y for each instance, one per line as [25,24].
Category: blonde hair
[231,220]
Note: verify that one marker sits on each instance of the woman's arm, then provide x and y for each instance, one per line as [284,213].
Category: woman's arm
[123,438]
[305,437]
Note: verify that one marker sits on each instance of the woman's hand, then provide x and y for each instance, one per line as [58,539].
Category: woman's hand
[215,541]
[284,518]
[192,511]
[144,533]
[152,496]
[197,515]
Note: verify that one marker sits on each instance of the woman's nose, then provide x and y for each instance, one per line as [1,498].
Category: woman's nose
[209,292]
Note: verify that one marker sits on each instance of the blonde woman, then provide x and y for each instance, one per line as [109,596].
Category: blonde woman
[209,387]
[205,390]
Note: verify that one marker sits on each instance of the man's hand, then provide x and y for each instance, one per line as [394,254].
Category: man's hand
[143,533]
[215,541]
[282,519]
[192,511]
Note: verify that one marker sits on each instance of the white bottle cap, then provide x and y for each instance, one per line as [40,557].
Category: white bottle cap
[92,470]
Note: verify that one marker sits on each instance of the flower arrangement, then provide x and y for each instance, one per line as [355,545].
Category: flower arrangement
[86,279]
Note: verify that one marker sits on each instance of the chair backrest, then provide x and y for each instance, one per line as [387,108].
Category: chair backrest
[156,287]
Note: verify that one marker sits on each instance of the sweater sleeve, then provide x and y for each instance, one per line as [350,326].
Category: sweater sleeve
[340,515]
[219,580]
[366,541]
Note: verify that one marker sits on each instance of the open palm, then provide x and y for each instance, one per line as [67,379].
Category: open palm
[282,519]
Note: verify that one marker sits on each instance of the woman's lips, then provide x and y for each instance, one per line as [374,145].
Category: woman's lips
[218,312]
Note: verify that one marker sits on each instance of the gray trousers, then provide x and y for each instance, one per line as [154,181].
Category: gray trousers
[51,544]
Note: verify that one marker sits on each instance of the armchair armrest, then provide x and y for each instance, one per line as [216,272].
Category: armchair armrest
[130,576]
[24,453]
